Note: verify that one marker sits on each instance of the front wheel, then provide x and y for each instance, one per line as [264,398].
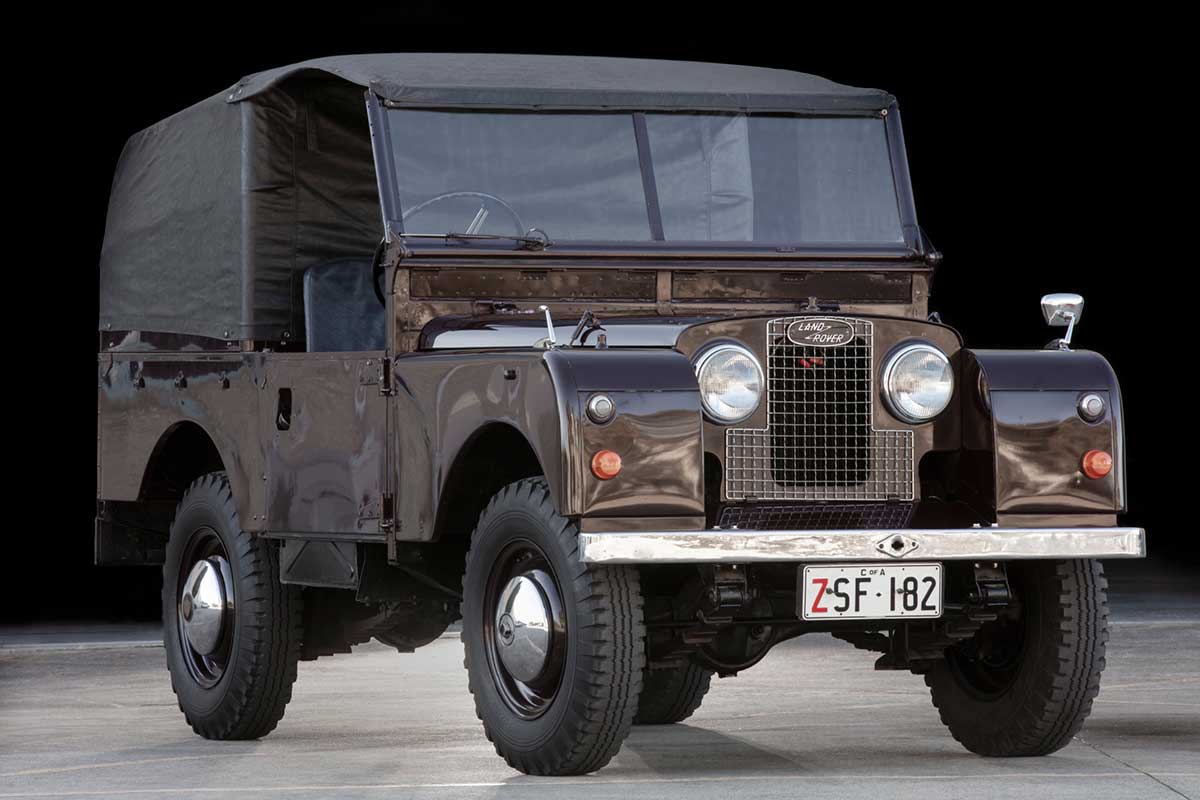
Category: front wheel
[554,648]
[1024,684]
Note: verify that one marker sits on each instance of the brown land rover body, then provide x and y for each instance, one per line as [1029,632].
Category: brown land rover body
[627,365]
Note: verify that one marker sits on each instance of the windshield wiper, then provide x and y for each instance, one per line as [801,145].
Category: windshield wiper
[536,240]
[587,323]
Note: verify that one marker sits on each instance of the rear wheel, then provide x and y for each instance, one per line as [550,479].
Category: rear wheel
[672,695]
[1023,685]
[554,649]
[230,628]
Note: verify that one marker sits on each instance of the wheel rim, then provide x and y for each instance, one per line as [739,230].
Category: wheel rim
[524,629]
[204,606]
[988,663]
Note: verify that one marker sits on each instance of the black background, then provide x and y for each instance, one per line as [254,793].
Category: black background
[1036,151]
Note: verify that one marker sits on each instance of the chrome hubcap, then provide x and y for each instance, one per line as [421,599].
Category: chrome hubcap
[202,605]
[523,629]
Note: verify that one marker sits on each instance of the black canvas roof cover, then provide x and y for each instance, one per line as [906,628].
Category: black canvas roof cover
[216,212]
[533,81]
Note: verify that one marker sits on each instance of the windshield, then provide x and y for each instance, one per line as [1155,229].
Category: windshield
[770,179]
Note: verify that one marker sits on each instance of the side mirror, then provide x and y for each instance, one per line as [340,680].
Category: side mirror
[1063,309]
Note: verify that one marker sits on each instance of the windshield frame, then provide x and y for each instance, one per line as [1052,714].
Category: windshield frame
[911,246]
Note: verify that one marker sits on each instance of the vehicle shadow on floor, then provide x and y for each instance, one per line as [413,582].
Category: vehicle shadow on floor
[669,750]
[674,751]
[1183,727]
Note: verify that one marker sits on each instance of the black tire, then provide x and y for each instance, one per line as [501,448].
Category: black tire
[243,694]
[578,718]
[1024,688]
[672,695]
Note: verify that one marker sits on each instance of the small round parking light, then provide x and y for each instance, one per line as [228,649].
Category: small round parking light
[1091,407]
[600,408]
[606,465]
[1096,464]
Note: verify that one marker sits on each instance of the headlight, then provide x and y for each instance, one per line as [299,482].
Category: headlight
[917,382]
[731,382]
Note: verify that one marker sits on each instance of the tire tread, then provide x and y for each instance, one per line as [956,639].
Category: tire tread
[1066,678]
[264,668]
[672,695]
[611,639]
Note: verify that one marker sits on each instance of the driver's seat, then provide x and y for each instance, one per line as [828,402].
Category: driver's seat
[341,312]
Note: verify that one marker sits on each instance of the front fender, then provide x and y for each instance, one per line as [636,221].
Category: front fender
[1029,419]
[657,431]
[444,399]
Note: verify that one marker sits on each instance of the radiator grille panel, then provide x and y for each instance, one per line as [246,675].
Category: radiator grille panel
[820,442]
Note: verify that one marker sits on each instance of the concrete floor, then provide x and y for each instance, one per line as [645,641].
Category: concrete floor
[812,720]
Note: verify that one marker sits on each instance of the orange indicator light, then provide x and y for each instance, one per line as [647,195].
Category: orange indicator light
[606,465]
[1096,464]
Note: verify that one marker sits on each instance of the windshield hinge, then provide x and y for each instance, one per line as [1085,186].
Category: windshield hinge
[664,292]
[813,305]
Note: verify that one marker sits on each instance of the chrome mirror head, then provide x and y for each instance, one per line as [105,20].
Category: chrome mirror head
[1063,309]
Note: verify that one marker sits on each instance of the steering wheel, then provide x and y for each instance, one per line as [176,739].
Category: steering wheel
[377,261]
[377,272]
[484,196]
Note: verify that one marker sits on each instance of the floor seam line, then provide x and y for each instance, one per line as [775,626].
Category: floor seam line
[1111,757]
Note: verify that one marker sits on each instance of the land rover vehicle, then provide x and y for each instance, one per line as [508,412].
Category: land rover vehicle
[628,365]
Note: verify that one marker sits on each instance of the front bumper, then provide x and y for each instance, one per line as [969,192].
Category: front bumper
[965,544]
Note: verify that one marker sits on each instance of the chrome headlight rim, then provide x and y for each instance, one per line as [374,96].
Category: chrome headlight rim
[702,360]
[893,360]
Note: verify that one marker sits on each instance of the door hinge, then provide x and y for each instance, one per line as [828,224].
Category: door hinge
[387,515]
[387,524]
[386,379]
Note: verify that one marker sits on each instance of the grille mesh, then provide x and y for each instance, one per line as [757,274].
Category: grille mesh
[820,442]
[816,516]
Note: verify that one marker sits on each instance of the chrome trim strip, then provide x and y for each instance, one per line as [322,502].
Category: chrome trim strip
[743,547]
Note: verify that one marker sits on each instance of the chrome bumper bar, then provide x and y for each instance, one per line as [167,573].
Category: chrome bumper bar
[721,546]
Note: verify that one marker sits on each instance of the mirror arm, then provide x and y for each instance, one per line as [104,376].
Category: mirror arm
[551,341]
[1065,342]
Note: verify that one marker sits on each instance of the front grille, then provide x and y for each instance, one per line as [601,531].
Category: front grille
[816,516]
[820,442]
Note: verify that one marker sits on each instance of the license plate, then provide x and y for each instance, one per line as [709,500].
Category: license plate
[861,591]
